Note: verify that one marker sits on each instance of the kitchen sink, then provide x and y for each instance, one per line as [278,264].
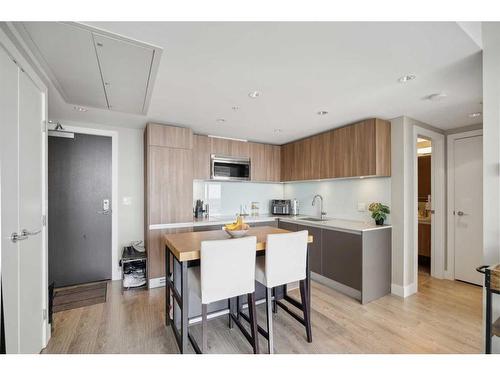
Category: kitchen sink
[313,219]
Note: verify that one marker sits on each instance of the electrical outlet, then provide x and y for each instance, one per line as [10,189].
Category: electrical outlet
[127,201]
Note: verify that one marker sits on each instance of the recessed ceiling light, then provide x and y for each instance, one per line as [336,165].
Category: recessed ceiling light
[221,120]
[436,96]
[475,114]
[254,94]
[278,130]
[406,78]
[322,113]
[80,109]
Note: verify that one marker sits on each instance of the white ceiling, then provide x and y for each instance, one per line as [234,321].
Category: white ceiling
[348,69]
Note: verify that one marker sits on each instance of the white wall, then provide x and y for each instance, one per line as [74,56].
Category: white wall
[130,182]
[491,152]
[225,198]
[341,197]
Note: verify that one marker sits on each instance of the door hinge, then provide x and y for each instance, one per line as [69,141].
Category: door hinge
[44,126]
[44,220]
[44,314]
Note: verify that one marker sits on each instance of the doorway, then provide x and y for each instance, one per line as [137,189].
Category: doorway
[80,207]
[465,201]
[424,210]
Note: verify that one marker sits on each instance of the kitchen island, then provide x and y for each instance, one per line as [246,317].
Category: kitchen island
[184,248]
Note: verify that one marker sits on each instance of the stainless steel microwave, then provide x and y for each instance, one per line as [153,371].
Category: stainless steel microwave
[229,168]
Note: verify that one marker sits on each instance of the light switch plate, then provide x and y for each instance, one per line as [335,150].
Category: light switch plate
[361,207]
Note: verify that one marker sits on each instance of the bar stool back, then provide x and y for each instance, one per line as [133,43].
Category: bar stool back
[285,262]
[227,270]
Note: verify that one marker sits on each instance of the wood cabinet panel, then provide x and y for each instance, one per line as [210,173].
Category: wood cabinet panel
[424,239]
[156,250]
[170,185]
[274,154]
[424,177]
[265,162]
[383,147]
[229,147]
[169,136]
[259,162]
[287,160]
[201,157]
[361,149]
[342,257]
[363,152]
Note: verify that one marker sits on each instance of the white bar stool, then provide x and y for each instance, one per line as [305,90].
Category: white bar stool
[227,270]
[284,262]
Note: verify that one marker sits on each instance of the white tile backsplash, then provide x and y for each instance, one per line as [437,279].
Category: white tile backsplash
[225,198]
[343,198]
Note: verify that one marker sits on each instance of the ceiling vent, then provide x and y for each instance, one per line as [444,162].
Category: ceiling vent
[94,68]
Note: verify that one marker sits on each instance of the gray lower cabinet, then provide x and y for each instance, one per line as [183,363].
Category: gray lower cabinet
[342,257]
[315,248]
[359,264]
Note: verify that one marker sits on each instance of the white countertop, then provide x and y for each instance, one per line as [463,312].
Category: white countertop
[353,226]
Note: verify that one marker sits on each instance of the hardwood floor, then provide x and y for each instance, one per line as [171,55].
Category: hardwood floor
[443,317]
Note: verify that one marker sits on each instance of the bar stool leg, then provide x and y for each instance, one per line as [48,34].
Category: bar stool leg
[229,307]
[269,318]
[275,305]
[304,296]
[238,308]
[204,341]
[253,322]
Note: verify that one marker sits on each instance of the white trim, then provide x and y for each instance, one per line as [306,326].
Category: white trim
[450,271]
[157,282]
[115,269]
[437,204]
[404,291]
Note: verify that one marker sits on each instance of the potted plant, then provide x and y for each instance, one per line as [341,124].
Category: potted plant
[379,212]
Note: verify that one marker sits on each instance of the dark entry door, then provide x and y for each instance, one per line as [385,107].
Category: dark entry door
[79,183]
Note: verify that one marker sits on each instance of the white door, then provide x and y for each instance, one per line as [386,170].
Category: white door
[468,208]
[21,179]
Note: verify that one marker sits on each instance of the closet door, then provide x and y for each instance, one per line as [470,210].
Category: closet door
[23,261]
[31,258]
[9,199]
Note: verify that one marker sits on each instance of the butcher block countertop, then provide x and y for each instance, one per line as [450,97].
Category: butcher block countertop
[187,246]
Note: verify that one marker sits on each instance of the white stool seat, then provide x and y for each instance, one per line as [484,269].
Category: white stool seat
[260,270]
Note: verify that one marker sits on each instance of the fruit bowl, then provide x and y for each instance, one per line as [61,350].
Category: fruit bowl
[237,233]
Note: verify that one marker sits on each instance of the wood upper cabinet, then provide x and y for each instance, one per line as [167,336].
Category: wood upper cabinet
[202,149]
[169,136]
[361,149]
[229,147]
[424,177]
[265,162]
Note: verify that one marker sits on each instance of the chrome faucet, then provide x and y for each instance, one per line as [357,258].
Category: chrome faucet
[323,213]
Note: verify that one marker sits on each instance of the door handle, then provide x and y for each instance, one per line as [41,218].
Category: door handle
[460,213]
[104,212]
[26,232]
[14,237]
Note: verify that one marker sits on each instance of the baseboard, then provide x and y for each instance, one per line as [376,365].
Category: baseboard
[347,290]
[403,291]
[157,282]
